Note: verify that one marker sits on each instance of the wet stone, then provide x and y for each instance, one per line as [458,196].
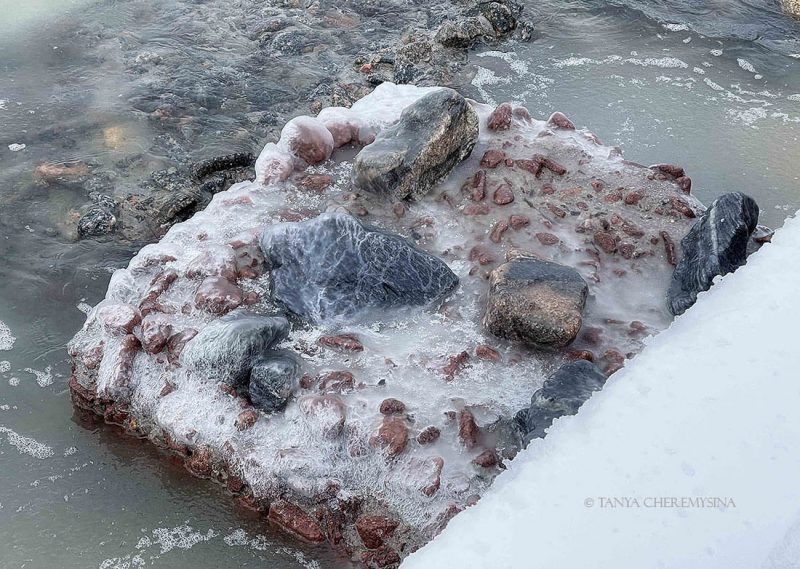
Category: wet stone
[294,520]
[392,435]
[373,530]
[218,295]
[428,435]
[273,379]
[431,138]
[347,268]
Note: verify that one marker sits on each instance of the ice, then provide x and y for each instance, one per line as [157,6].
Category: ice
[5,366]
[16,147]
[44,377]
[26,445]
[6,339]
[746,65]
[705,417]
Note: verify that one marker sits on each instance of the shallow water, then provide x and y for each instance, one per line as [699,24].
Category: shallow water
[74,494]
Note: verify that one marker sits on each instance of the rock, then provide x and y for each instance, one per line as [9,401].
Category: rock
[487,353]
[294,520]
[459,33]
[384,557]
[468,430]
[246,419]
[503,195]
[97,221]
[218,295]
[500,16]
[177,343]
[500,119]
[715,245]
[273,379]
[227,348]
[345,342]
[374,529]
[560,120]
[486,459]
[392,435]
[155,333]
[428,435]
[336,382]
[332,267]
[492,158]
[536,302]
[408,159]
[455,364]
[119,318]
[392,406]
[327,413]
[791,7]
[562,394]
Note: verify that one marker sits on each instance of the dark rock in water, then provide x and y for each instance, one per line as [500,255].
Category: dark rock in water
[562,394]
[227,348]
[332,267]
[500,16]
[408,159]
[536,302]
[460,33]
[97,221]
[715,245]
[272,381]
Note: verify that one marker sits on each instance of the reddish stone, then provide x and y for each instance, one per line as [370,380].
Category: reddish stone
[633,198]
[597,185]
[669,248]
[428,435]
[167,389]
[295,521]
[547,238]
[500,119]
[373,530]
[217,295]
[120,318]
[632,230]
[392,435]
[532,166]
[681,206]
[496,236]
[316,182]
[480,254]
[399,209]
[518,221]
[592,335]
[221,263]
[328,410]
[155,334]
[614,356]
[557,211]
[428,474]
[468,430]
[200,462]
[472,500]
[60,173]
[336,381]
[158,286]
[670,169]
[455,364]
[486,459]
[548,190]
[573,355]
[392,406]
[606,241]
[123,361]
[246,419]
[685,184]
[491,158]
[476,209]
[234,483]
[503,195]
[551,165]
[177,343]
[488,353]
[346,342]
[560,120]
[627,250]
[383,557]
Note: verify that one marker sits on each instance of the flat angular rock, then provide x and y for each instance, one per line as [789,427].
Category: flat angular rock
[332,267]
[715,245]
[433,135]
[562,394]
[227,348]
[535,302]
[273,378]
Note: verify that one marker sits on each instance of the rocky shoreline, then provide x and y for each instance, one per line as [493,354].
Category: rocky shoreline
[417,328]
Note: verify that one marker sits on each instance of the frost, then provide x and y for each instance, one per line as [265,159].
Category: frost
[15,147]
[676,27]
[6,339]
[43,378]
[26,445]
[746,65]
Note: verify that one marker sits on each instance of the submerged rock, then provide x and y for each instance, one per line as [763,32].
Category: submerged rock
[227,348]
[333,267]
[536,302]
[563,393]
[791,7]
[272,381]
[715,245]
[433,135]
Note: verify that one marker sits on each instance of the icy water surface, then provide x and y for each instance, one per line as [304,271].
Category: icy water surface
[130,87]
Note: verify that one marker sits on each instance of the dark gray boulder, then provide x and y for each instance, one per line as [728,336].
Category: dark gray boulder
[273,379]
[333,268]
[228,347]
[563,393]
[408,159]
[536,302]
[715,245]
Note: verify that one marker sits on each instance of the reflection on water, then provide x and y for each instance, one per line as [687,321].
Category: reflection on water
[130,87]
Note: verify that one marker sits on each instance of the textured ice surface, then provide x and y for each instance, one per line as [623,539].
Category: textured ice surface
[423,357]
[707,411]
[6,339]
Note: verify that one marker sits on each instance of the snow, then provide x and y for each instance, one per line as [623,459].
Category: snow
[707,410]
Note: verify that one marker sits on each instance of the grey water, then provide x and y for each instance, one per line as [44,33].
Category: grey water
[131,86]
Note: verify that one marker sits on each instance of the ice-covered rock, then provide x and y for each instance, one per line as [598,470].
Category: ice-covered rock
[536,302]
[716,245]
[563,393]
[273,379]
[431,138]
[333,267]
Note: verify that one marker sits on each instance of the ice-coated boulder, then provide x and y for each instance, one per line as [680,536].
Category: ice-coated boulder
[227,348]
[536,302]
[715,245]
[406,160]
[273,378]
[333,267]
[563,393]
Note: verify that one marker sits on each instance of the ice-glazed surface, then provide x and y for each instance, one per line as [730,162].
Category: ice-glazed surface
[699,430]
[530,185]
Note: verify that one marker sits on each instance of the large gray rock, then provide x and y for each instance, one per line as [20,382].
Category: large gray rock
[273,379]
[228,347]
[536,302]
[333,268]
[561,394]
[408,159]
[715,245]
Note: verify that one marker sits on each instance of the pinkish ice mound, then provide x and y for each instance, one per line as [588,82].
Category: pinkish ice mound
[371,428]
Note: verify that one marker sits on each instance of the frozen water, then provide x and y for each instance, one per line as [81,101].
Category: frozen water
[6,339]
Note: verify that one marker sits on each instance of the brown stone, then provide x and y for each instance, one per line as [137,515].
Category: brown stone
[345,342]
[158,286]
[547,238]
[392,435]
[517,222]
[486,459]
[217,295]
[496,236]
[428,435]
[476,209]
[383,557]
[155,334]
[606,241]
[487,353]
[503,195]
[316,182]
[60,173]
[327,410]
[491,158]
[373,530]
[392,406]
[246,419]
[336,381]
[500,119]
[177,343]
[455,364]
[294,520]
[468,430]
[669,249]
[480,254]
[560,120]
[633,198]
[200,462]
[120,318]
